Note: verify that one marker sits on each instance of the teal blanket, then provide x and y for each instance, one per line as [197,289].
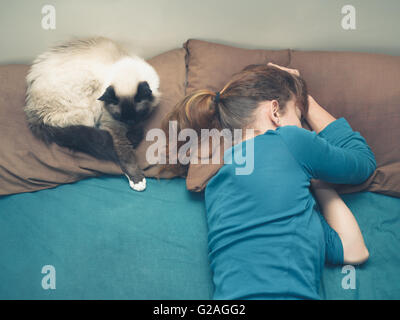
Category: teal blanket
[105,241]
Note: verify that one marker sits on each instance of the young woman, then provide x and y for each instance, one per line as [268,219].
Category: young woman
[266,235]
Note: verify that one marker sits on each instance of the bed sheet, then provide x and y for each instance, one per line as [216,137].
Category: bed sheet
[106,241]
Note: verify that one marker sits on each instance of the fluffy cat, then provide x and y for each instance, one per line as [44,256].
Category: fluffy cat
[92,96]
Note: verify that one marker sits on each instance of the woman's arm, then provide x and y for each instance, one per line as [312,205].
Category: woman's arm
[317,117]
[341,219]
[335,211]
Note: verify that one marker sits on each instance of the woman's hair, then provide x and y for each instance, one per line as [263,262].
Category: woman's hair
[238,100]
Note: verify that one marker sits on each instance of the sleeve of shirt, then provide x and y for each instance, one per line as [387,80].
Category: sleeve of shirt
[333,244]
[337,154]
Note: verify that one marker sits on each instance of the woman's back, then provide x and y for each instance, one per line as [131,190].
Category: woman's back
[267,239]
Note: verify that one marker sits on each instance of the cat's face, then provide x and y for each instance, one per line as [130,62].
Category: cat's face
[130,108]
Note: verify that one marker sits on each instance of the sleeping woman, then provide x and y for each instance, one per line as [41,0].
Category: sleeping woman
[271,232]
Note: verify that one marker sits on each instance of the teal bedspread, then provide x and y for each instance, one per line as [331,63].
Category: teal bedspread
[106,241]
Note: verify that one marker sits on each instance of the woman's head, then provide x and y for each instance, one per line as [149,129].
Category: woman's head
[259,97]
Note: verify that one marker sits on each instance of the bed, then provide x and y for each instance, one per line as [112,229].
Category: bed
[75,218]
[108,242]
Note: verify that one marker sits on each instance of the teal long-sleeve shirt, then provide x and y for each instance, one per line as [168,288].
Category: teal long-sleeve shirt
[266,236]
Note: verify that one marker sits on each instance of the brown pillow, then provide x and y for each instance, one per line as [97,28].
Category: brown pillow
[210,66]
[364,89]
[172,71]
[27,164]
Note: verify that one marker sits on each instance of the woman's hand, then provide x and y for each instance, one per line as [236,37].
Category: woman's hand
[317,117]
[291,71]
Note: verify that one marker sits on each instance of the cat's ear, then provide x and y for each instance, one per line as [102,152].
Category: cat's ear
[109,96]
[143,92]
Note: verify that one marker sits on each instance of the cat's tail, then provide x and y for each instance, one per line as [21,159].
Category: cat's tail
[93,141]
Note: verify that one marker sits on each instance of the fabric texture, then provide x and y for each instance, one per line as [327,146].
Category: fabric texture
[378,278]
[265,235]
[27,164]
[107,242]
[336,154]
[211,65]
[333,247]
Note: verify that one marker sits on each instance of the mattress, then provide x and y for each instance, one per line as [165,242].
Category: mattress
[104,241]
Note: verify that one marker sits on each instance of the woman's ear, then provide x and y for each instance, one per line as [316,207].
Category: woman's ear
[274,113]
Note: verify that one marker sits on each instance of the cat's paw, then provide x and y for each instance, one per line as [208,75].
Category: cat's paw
[138,186]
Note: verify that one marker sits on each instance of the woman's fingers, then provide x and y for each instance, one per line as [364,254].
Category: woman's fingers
[292,71]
